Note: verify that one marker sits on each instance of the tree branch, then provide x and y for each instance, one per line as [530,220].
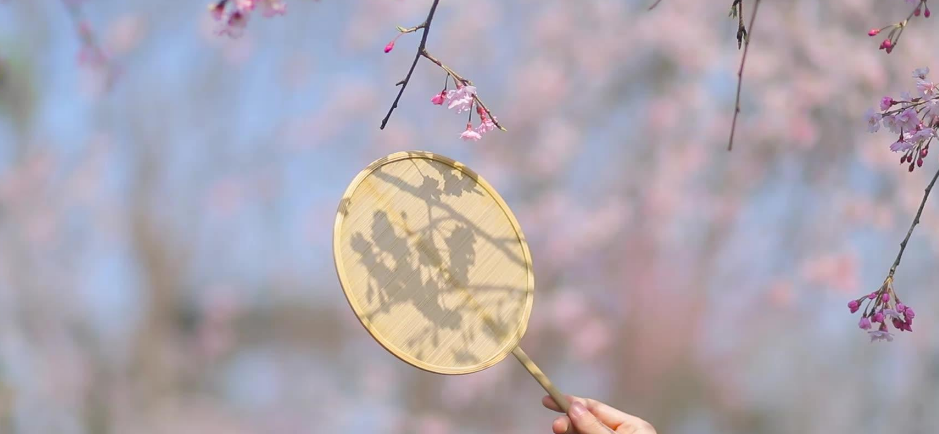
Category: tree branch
[909,233]
[654,5]
[417,56]
[743,61]
[465,82]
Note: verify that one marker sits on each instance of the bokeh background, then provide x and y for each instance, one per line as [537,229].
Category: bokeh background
[165,242]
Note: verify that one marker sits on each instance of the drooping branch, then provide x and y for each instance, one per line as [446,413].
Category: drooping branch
[909,233]
[744,34]
[417,56]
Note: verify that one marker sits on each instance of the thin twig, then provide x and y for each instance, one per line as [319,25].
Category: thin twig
[417,56]
[465,82]
[909,233]
[743,61]
[654,4]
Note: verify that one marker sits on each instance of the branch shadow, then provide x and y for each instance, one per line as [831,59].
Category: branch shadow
[432,272]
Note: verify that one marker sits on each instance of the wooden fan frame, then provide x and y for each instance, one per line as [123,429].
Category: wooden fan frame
[511,344]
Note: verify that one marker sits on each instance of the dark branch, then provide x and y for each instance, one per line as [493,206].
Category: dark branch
[743,61]
[909,233]
[417,56]
[654,4]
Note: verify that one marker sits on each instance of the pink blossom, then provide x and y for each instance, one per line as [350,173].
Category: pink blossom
[932,107]
[880,335]
[901,307]
[890,313]
[245,5]
[854,305]
[886,102]
[217,10]
[235,25]
[461,99]
[890,121]
[903,326]
[873,32]
[908,119]
[469,134]
[91,56]
[909,313]
[878,317]
[271,8]
[922,134]
[873,120]
[885,297]
[920,73]
[928,88]
[901,145]
[390,46]
[872,295]
[864,324]
[486,125]
[438,98]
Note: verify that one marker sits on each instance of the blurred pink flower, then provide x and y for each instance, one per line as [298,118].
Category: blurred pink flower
[853,305]
[469,134]
[272,8]
[486,125]
[235,25]
[886,102]
[245,5]
[880,335]
[461,99]
[568,307]
[873,120]
[589,339]
[125,33]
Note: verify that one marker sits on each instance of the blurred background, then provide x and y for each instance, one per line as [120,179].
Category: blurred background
[166,218]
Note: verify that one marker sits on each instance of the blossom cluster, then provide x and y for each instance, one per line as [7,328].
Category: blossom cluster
[233,14]
[880,307]
[896,29]
[463,98]
[914,119]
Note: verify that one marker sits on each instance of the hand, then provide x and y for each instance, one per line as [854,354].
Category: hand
[587,416]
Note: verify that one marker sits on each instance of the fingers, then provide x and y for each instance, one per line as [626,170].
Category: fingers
[585,422]
[561,425]
[606,414]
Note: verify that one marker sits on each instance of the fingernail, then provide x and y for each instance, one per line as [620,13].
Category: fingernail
[578,409]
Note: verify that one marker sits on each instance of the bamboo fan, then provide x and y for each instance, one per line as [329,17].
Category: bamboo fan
[435,265]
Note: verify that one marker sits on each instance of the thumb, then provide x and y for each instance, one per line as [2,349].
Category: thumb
[585,421]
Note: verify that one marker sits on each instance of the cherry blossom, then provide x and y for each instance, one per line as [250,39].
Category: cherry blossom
[913,119]
[882,306]
[271,8]
[232,15]
[873,120]
[461,99]
[469,134]
[880,335]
